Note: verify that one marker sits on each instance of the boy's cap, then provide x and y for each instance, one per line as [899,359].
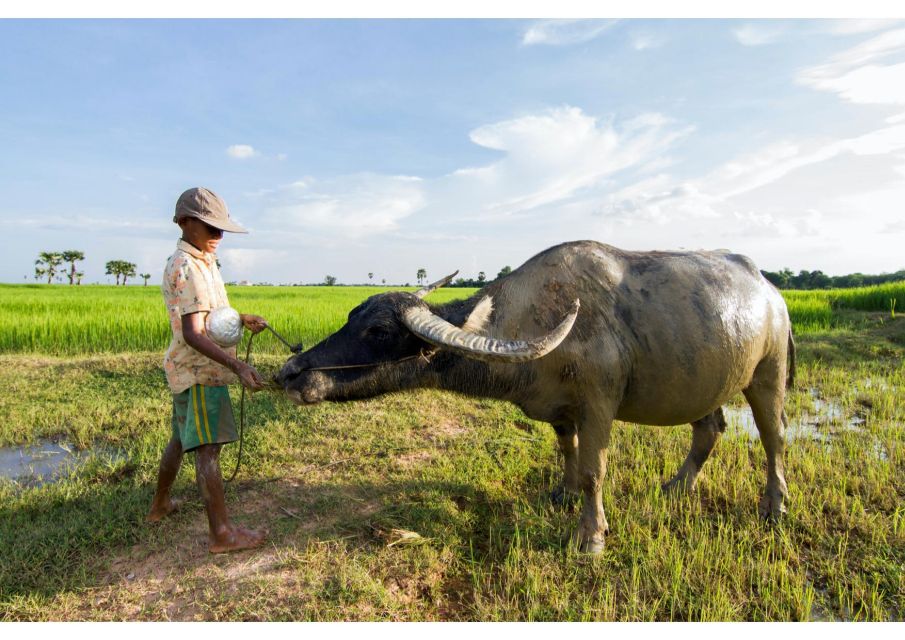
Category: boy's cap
[208,207]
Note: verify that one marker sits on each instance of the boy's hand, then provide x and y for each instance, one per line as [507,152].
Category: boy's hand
[249,377]
[255,324]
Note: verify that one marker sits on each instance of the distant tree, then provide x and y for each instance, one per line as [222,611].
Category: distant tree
[370,275]
[78,277]
[50,261]
[129,270]
[146,277]
[330,280]
[121,268]
[505,271]
[785,276]
[421,275]
[72,256]
[481,278]
[112,269]
[39,272]
[383,281]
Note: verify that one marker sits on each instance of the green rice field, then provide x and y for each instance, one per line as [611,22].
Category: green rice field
[430,506]
[61,320]
[110,319]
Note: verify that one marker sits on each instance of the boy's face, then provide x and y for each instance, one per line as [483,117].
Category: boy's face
[201,235]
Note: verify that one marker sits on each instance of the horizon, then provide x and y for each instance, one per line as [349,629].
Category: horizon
[386,146]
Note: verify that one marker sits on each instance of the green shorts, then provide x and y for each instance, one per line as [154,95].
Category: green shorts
[203,415]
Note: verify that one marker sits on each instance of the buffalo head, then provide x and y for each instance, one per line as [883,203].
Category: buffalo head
[389,340]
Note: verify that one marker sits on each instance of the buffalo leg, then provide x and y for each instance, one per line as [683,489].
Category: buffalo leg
[766,399]
[704,435]
[568,490]
[594,438]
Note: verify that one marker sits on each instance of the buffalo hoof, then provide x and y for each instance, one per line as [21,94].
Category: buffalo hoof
[593,544]
[563,498]
[772,507]
[678,485]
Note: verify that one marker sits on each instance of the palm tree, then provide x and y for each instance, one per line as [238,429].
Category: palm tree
[113,269]
[72,256]
[121,268]
[146,277]
[422,274]
[51,260]
[370,275]
[129,270]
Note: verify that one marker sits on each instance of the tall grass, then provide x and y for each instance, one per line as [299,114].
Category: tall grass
[65,320]
[814,310]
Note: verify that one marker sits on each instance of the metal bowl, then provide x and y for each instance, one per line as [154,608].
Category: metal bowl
[224,326]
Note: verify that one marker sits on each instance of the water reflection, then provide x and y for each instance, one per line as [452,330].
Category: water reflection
[47,461]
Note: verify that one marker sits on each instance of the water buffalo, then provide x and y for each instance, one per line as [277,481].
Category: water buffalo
[582,334]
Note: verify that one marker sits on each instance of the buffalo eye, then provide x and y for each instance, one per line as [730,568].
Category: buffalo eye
[378,333]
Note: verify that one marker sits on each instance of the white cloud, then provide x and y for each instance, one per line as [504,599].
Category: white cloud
[642,41]
[659,199]
[565,32]
[764,32]
[849,27]
[783,224]
[712,194]
[101,224]
[555,155]
[241,151]
[857,76]
[754,35]
[350,206]
[238,264]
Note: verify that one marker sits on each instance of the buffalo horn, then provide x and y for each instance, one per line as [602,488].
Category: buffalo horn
[423,291]
[436,330]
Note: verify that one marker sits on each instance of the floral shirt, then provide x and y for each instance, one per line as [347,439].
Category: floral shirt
[192,283]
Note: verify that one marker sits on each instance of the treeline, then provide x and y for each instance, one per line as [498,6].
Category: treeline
[481,280]
[49,263]
[787,279]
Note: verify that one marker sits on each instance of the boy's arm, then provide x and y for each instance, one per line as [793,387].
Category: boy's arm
[195,337]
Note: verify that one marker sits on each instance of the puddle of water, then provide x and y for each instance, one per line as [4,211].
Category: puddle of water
[812,426]
[46,462]
[741,421]
[869,383]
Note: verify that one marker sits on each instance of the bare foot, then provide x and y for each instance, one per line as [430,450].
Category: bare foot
[160,511]
[236,539]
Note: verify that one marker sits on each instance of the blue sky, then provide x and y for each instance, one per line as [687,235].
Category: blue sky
[356,146]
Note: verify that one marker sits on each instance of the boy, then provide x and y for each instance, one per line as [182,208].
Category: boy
[198,369]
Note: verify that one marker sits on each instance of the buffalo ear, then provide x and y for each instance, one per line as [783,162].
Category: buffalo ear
[479,317]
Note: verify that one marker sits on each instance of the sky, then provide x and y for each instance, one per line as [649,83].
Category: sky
[356,146]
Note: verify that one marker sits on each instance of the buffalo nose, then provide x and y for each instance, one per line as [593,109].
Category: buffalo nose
[289,371]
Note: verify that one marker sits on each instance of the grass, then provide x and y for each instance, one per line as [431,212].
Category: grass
[337,485]
[65,320]
[815,310]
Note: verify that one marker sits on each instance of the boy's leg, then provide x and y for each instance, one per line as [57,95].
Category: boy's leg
[162,504]
[224,535]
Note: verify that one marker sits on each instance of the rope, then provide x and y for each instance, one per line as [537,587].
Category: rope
[297,348]
[251,338]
